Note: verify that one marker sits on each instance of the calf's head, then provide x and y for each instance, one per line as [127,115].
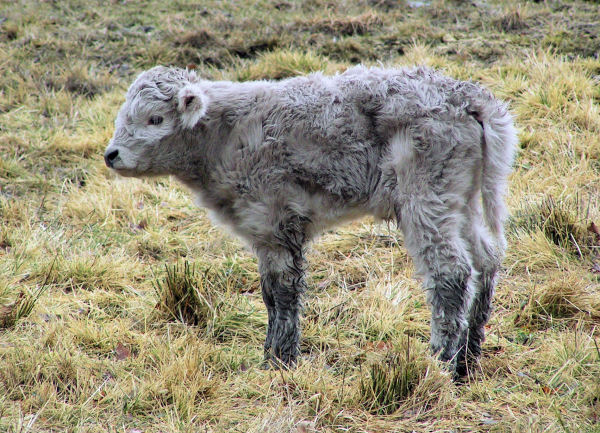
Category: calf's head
[160,106]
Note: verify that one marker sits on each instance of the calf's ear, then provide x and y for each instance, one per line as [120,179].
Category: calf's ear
[192,103]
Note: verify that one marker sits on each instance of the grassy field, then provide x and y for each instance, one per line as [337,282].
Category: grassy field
[122,309]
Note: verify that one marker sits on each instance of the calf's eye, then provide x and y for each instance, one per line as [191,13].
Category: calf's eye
[155,120]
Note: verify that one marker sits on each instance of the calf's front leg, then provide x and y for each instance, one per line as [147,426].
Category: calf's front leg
[282,284]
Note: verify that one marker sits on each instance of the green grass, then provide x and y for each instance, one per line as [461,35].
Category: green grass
[391,381]
[123,309]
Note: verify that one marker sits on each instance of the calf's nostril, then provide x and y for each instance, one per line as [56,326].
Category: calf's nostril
[110,157]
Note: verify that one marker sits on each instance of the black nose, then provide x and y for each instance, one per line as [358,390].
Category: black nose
[109,158]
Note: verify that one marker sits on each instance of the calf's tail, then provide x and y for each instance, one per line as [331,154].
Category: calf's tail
[499,147]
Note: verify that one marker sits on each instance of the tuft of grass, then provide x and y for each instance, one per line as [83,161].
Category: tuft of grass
[562,301]
[391,381]
[561,223]
[184,295]
[512,20]
[350,49]
[344,26]
[211,300]
[21,307]
[279,64]
[563,297]
[79,81]
[196,38]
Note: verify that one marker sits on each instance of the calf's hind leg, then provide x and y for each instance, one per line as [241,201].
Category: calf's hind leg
[432,237]
[486,261]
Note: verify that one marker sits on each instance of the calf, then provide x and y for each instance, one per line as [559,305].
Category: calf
[278,162]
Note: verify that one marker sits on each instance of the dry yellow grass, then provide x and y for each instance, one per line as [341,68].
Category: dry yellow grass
[86,341]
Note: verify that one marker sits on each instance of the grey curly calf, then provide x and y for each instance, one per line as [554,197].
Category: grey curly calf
[278,162]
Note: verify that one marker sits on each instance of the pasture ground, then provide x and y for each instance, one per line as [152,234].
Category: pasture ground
[92,335]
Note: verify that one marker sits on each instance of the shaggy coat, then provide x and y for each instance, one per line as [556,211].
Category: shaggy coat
[278,162]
